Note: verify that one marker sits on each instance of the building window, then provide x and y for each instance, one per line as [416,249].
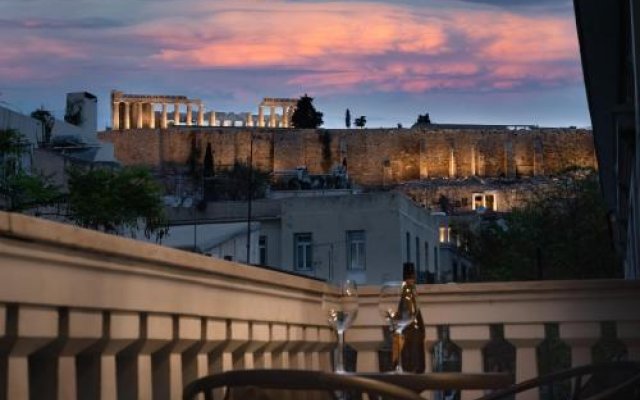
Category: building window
[445,234]
[487,201]
[436,264]
[426,255]
[418,266]
[356,250]
[408,240]
[262,245]
[302,253]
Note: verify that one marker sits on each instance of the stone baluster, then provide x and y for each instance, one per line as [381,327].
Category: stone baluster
[326,341]
[471,339]
[176,114]
[367,342]
[163,120]
[294,347]
[629,334]
[189,114]
[26,330]
[127,115]
[580,336]
[259,338]
[308,349]
[136,378]
[275,354]
[200,114]
[120,329]
[525,338]
[152,116]
[139,115]
[272,117]
[234,347]
[168,361]
[260,117]
[115,115]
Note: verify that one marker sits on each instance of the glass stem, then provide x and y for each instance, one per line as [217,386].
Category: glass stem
[399,343]
[339,354]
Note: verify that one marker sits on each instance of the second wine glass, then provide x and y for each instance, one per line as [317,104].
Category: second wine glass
[341,312]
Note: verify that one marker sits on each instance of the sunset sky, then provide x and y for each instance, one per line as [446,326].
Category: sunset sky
[476,61]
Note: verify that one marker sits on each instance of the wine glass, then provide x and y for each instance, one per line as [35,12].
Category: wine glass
[341,311]
[397,309]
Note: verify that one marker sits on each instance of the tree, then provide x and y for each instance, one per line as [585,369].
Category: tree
[560,233]
[361,121]
[117,201]
[424,119]
[233,183]
[347,118]
[208,172]
[208,168]
[48,121]
[305,116]
[20,191]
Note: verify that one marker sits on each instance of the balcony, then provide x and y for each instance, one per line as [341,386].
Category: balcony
[89,315]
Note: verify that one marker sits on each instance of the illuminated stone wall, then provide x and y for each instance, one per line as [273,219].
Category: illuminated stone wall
[373,156]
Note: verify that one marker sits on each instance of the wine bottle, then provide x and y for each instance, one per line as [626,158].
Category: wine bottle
[412,342]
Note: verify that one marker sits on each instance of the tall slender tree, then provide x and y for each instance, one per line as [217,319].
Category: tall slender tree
[305,116]
[347,118]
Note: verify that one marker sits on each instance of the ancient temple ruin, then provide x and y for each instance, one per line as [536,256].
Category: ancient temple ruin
[275,120]
[136,111]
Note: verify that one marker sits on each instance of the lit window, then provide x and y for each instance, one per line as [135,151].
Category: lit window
[443,234]
[302,254]
[356,247]
[262,244]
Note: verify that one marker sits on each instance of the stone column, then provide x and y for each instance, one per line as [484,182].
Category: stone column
[176,114]
[248,121]
[629,334]
[471,339]
[285,114]
[139,115]
[473,160]
[580,336]
[115,115]
[152,116]
[127,115]
[272,117]
[367,342]
[163,121]
[452,163]
[525,338]
[200,114]
[189,114]
[212,118]
[260,117]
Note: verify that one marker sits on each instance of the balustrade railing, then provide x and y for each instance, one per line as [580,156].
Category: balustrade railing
[85,315]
